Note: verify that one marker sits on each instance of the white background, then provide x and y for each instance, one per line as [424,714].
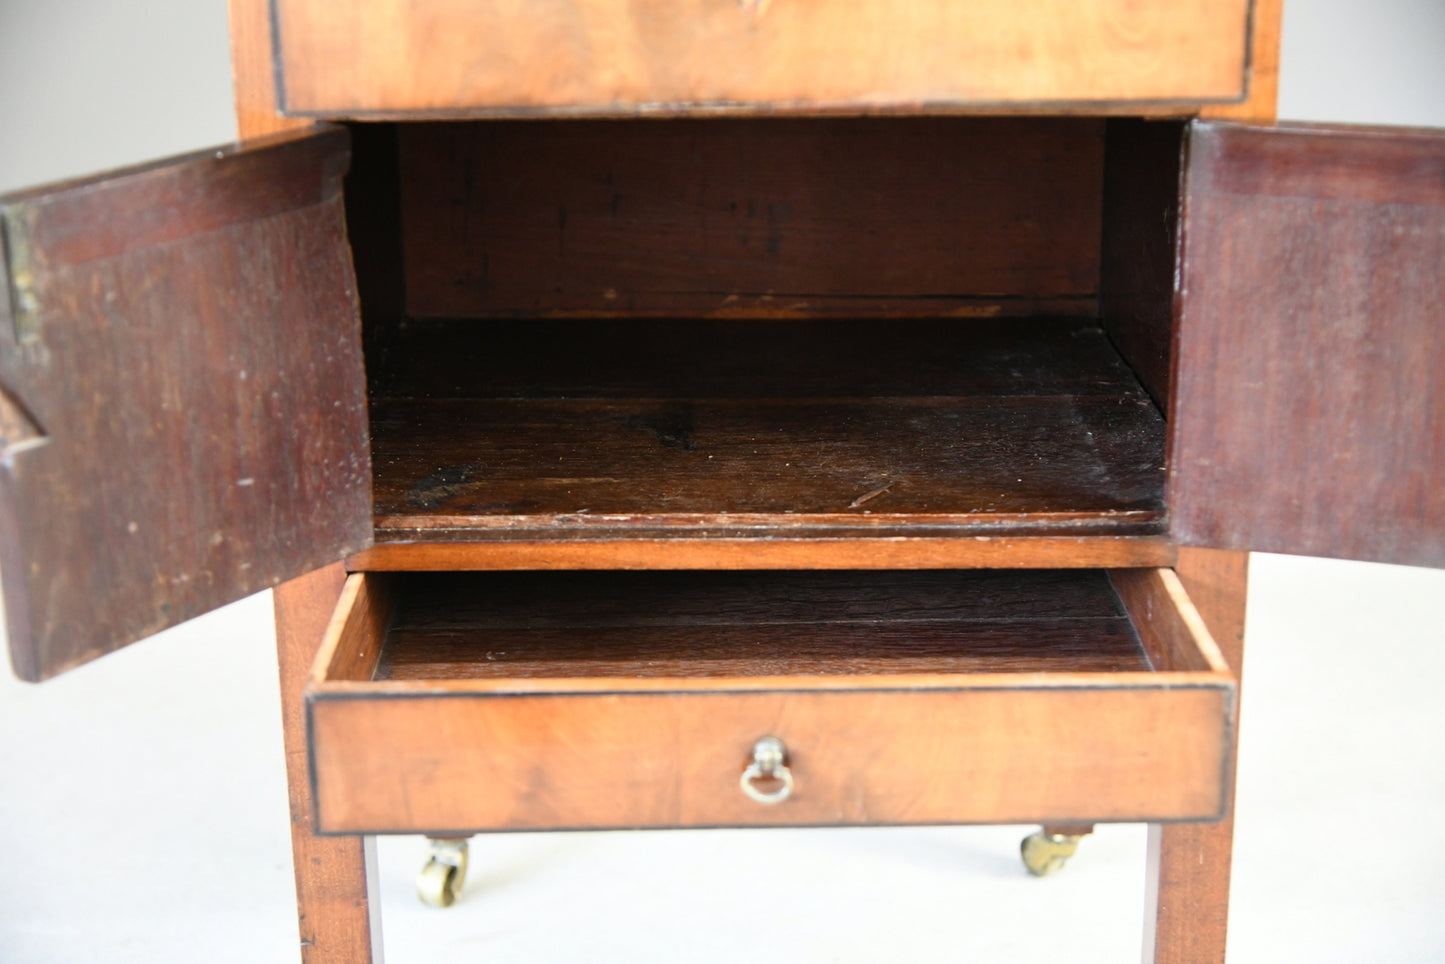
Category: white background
[142,798]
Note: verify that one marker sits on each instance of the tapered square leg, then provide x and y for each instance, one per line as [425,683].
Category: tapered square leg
[338,911]
[1187,893]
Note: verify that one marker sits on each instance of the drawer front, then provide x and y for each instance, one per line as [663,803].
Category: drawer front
[410,764]
[544,749]
[451,57]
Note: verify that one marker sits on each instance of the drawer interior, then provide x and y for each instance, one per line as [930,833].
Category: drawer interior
[465,701]
[740,624]
[807,328]
[650,628]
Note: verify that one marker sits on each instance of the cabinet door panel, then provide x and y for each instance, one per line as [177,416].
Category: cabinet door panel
[1309,415]
[182,396]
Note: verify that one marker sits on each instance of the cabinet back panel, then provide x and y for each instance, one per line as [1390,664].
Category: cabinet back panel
[856,217]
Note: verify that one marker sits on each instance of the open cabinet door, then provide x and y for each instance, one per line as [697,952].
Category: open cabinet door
[1309,403]
[182,397]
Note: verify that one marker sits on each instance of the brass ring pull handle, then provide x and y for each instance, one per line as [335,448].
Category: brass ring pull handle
[769,756]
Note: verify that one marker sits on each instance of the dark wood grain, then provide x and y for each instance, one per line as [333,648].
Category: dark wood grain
[1142,163]
[373,228]
[1308,409]
[185,335]
[771,218]
[1041,428]
[582,463]
[690,625]
[712,358]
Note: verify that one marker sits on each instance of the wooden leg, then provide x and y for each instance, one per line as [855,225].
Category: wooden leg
[1187,896]
[339,915]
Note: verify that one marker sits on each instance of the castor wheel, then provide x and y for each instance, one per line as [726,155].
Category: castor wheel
[441,880]
[1047,851]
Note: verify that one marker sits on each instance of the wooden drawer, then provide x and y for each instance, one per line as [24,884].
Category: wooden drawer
[518,701]
[376,58]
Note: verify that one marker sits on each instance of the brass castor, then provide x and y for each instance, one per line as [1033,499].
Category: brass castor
[1045,853]
[441,880]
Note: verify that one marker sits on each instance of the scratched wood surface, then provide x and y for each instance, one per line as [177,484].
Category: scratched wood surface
[1307,408]
[692,427]
[911,698]
[766,217]
[183,339]
[450,57]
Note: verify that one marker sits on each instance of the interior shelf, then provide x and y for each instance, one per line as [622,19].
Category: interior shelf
[599,428]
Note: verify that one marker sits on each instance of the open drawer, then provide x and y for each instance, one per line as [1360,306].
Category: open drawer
[534,700]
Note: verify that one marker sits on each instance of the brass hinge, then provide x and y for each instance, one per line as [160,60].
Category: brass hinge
[15,246]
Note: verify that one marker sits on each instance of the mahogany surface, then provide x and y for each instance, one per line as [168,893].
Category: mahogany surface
[503,429]
[785,218]
[1310,341]
[1194,862]
[182,339]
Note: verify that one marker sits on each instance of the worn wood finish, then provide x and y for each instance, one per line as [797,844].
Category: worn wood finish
[184,335]
[336,900]
[1142,164]
[790,218]
[1049,434]
[653,56]
[1187,895]
[517,745]
[1066,466]
[1306,416]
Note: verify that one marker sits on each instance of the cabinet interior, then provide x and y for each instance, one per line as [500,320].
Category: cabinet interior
[811,327]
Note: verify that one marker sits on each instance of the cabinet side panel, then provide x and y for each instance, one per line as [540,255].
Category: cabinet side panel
[186,337]
[253,71]
[1141,226]
[1308,408]
[1263,78]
